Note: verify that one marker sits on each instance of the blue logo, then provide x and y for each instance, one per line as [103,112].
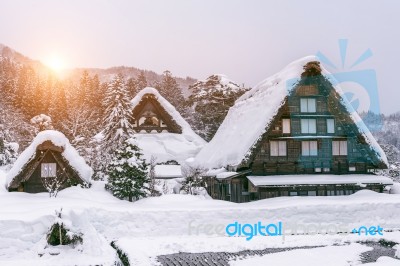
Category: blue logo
[251,230]
[372,230]
[360,87]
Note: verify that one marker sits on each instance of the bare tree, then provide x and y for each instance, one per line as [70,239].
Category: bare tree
[193,179]
[153,181]
[54,184]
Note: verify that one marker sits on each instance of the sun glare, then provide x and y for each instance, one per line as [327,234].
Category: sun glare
[56,63]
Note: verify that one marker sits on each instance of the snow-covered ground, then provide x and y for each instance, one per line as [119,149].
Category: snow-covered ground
[183,223]
[327,256]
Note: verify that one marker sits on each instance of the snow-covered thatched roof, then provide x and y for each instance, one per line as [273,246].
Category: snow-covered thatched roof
[252,114]
[167,146]
[58,139]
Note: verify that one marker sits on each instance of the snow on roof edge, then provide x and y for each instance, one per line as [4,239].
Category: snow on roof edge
[363,129]
[186,129]
[58,139]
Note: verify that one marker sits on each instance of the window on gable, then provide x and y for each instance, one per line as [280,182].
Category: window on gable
[330,126]
[308,126]
[339,147]
[278,148]
[286,126]
[309,148]
[308,105]
[48,170]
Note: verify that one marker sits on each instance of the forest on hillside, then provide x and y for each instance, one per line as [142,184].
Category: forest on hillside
[32,100]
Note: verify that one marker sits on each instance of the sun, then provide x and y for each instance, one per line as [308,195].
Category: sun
[56,63]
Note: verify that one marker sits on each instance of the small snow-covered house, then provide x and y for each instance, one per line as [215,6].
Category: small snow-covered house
[294,134]
[162,133]
[50,157]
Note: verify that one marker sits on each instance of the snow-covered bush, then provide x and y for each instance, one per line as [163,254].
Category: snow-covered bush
[127,173]
[59,234]
[395,189]
[8,152]
[42,122]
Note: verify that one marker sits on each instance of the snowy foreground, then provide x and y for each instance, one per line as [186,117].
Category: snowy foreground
[183,223]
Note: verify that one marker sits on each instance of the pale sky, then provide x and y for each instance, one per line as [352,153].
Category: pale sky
[245,40]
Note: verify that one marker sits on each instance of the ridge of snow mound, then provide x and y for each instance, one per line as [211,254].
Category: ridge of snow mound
[58,139]
[395,189]
[167,146]
[253,112]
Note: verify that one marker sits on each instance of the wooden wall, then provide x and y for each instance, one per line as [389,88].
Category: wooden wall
[327,106]
[33,184]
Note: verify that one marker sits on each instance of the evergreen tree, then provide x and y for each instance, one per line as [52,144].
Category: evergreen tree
[136,85]
[94,95]
[28,100]
[131,87]
[58,109]
[127,173]
[39,97]
[171,91]
[209,103]
[117,123]
[25,84]
[48,91]
[8,79]
[141,82]
[84,88]
[8,152]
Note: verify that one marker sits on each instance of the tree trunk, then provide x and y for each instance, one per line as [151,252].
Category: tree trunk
[60,233]
[130,198]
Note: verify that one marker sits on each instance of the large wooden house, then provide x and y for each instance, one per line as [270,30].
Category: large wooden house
[286,138]
[49,161]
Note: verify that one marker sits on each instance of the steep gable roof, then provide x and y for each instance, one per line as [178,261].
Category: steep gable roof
[178,145]
[253,113]
[54,141]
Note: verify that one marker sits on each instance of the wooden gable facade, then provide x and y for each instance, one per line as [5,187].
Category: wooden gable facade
[47,165]
[150,116]
[311,134]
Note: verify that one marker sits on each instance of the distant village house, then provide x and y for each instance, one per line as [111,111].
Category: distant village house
[50,160]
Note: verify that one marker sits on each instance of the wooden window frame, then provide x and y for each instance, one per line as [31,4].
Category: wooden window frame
[308,105]
[278,148]
[308,143]
[46,170]
[341,150]
[307,121]
[333,126]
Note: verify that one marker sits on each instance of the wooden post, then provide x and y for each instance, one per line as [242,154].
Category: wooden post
[59,229]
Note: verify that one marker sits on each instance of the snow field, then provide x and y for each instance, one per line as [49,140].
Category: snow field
[175,223]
